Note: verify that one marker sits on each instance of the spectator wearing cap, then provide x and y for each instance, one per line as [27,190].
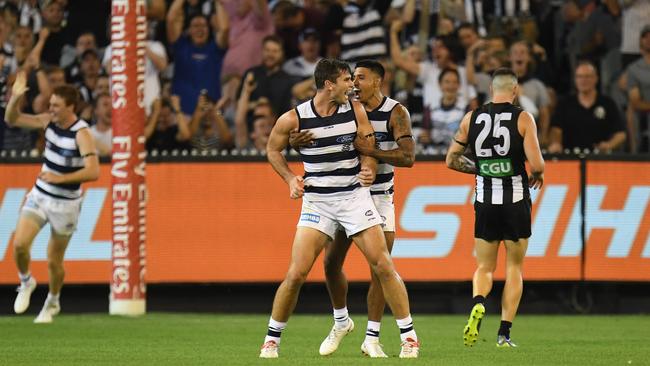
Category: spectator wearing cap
[291,21]
[303,66]
[588,119]
[197,58]
[638,86]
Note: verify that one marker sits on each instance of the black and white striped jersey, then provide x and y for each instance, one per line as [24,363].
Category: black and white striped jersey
[62,156]
[364,36]
[331,162]
[380,120]
[498,151]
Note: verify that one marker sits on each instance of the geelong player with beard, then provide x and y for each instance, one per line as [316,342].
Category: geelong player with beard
[333,197]
[395,147]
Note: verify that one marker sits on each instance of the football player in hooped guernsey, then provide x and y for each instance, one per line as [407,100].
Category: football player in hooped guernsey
[70,158]
[335,194]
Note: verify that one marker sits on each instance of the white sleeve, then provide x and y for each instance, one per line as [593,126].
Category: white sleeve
[426,70]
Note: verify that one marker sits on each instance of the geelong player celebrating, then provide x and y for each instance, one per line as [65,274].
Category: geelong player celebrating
[395,147]
[333,197]
[69,159]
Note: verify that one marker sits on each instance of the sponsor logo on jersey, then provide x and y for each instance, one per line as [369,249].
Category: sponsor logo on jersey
[345,139]
[496,167]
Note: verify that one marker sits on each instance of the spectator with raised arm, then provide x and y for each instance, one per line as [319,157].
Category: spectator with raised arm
[270,80]
[197,58]
[250,23]
[167,127]
[208,128]
[52,13]
[156,62]
[427,72]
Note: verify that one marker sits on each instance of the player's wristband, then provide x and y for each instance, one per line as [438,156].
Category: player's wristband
[403,136]
[87,155]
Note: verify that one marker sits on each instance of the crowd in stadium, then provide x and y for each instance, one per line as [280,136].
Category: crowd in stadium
[220,72]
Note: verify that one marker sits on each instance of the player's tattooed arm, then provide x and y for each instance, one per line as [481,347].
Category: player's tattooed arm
[455,158]
[404,154]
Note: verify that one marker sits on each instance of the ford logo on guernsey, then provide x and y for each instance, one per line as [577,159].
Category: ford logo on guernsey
[345,139]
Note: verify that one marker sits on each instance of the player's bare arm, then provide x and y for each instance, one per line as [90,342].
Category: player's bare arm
[365,140]
[528,129]
[13,116]
[404,154]
[278,141]
[89,172]
[455,158]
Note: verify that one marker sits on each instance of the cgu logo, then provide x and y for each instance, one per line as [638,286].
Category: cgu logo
[496,167]
[445,226]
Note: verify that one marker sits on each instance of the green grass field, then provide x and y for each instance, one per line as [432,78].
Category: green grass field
[205,339]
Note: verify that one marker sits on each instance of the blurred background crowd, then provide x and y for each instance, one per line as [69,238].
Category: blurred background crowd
[220,72]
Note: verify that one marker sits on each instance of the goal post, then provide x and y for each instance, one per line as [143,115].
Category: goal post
[128,190]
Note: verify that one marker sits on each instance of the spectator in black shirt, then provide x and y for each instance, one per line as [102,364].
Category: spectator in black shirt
[269,80]
[52,14]
[167,127]
[586,120]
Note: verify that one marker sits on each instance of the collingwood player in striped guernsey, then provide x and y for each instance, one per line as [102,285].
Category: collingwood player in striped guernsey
[69,160]
[501,137]
[394,147]
[335,195]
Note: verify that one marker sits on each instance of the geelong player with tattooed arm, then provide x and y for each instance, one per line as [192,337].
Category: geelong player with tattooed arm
[333,197]
[395,147]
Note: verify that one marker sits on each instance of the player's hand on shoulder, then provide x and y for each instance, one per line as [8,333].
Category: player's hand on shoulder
[296,187]
[366,176]
[298,139]
[536,180]
[365,145]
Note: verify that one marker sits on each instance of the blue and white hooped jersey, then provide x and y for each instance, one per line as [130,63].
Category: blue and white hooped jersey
[380,120]
[61,156]
[331,162]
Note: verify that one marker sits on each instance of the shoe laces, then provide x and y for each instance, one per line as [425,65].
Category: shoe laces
[335,332]
[269,345]
[409,343]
